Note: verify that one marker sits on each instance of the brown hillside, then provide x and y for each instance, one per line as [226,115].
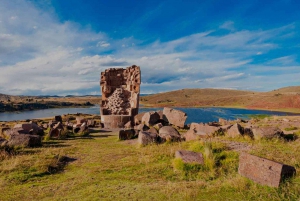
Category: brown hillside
[285,99]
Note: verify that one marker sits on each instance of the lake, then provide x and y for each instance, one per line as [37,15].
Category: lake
[194,114]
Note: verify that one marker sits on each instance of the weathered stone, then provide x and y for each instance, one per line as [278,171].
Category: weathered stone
[58,126]
[138,118]
[80,120]
[126,134]
[24,140]
[189,156]
[225,128]
[205,130]
[120,94]
[58,118]
[91,123]
[191,135]
[235,130]
[264,171]
[266,132]
[54,133]
[168,133]
[161,114]
[141,127]
[158,126]
[152,130]
[14,131]
[174,117]
[150,118]
[146,138]
[223,121]
[128,125]
[36,130]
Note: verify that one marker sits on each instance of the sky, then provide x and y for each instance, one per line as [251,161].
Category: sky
[55,47]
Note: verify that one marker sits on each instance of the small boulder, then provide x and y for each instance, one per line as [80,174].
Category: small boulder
[91,123]
[205,130]
[58,118]
[128,125]
[36,130]
[266,132]
[223,121]
[235,130]
[25,140]
[80,120]
[138,118]
[152,130]
[146,138]
[191,135]
[158,126]
[141,127]
[189,156]
[126,134]
[168,133]
[150,118]
[174,117]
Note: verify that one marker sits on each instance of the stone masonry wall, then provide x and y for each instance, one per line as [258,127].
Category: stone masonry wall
[120,91]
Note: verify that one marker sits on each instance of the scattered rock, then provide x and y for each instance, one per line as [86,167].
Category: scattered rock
[189,156]
[168,133]
[150,118]
[126,134]
[223,121]
[36,130]
[24,140]
[266,132]
[236,130]
[141,127]
[146,138]
[138,118]
[152,130]
[264,171]
[158,126]
[174,117]
[58,118]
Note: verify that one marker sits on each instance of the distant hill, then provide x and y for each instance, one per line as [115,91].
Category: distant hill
[284,99]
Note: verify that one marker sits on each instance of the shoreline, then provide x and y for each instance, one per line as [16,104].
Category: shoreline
[288,110]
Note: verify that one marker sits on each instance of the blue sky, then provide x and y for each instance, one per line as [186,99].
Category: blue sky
[60,47]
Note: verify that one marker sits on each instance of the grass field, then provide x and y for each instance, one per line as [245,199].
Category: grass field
[108,169]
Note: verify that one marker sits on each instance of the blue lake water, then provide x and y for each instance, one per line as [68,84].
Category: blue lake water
[194,114]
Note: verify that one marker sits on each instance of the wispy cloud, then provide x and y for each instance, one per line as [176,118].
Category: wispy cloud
[41,55]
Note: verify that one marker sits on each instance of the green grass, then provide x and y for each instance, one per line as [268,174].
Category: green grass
[108,169]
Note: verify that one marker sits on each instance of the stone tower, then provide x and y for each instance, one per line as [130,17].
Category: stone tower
[120,95]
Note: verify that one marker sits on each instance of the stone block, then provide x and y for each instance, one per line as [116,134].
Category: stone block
[189,156]
[174,117]
[264,171]
[146,138]
[126,134]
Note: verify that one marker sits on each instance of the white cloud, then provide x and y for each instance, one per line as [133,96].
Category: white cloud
[41,55]
[103,44]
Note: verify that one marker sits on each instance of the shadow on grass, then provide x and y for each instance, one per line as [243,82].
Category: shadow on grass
[54,144]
